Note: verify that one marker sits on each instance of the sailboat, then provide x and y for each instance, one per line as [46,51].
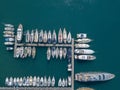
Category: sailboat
[27,37]
[41,36]
[45,37]
[54,37]
[48,53]
[60,36]
[69,38]
[49,36]
[64,35]
[36,36]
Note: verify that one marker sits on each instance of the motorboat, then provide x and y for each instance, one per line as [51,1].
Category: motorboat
[84,51]
[45,81]
[54,37]
[36,36]
[85,57]
[8,36]
[69,81]
[9,48]
[49,36]
[9,39]
[9,29]
[84,40]
[34,81]
[64,35]
[82,45]
[9,43]
[49,82]
[41,81]
[70,67]
[9,32]
[59,82]
[82,35]
[60,36]
[69,38]
[19,33]
[8,25]
[63,82]
[93,76]
[48,53]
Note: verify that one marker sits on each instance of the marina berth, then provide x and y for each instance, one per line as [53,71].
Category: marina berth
[82,45]
[93,76]
[85,57]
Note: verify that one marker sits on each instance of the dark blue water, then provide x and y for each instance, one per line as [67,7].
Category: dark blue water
[100,19]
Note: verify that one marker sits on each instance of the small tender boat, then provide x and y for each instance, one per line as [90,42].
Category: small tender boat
[93,76]
[41,36]
[61,53]
[53,82]
[27,36]
[84,51]
[54,37]
[49,36]
[57,52]
[85,88]
[69,81]
[60,36]
[36,36]
[48,53]
[9,39]
[33,52]
[9,48]
[45,37]
[82,35]
[82,45]
[85,57]
[19,33]
[53,52]
[32,36]
[64,52]
[69,38]
[49,81]
[64,35]
[84,40]
[60,83]
[9,43]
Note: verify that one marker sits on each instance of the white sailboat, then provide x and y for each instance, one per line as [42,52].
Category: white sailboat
[45,37]
[48,53]
[60,36]
[49,36]
[64,35]
[27,38]
[57,52]
[69,38]
[36,36]
[53,82]
[61,53]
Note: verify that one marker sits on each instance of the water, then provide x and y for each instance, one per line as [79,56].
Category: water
[99,18]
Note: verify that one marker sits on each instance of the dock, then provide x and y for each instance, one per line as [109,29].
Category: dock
[35,88]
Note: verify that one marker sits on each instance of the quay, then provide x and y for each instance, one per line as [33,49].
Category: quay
[35,88]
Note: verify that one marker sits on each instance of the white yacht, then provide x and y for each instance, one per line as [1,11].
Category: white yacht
[6,80]
[93,76]
[69,38]
[53,82]
[49,36]
[53,52]
[69,81]
[36,36]
[63,82]
[19,33]
[32,36]
[9,32]
[54,37]
[37,81]
[49,82]
[8,25]
[85,57]
[14,81]
[85,88]
[8,35]
[9,29]
[45,37]
[60,36]
[61,53]
[59,82]
[45,81]
[9,48]
[84,51]
[9,39]
[84,40]
[64,52]
[82,45]
[64,35]
[41,36]
[27,36]
[70,67]
[34,81]
[41,81]
[20,82]
[9,43]
[33,52]
[48,53]
[57,52]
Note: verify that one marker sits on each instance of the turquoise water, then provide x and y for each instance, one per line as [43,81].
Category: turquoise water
[99,18]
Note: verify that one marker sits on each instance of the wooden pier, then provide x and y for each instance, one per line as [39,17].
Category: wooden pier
[35,88]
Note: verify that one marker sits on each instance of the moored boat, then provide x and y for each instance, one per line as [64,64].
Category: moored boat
[53,81]
[45,36]
[36,36]
[19,33]
[60,36]
[93,76]
[33,52]
[9,48]
[61,53]
[48,53]
[85,88]
[32,36]
[53,52]
[69,38]
[49,36]
[64,52]
[57,52]
[54,37]
[82,35]
[85,57]
[82,45]
[84,51]
[27,36]
[9,39]
[9,43]
[41,36]
[64,35]
[84,40]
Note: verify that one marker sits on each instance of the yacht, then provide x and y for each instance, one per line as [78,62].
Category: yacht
[84,51]
[9,39]
[63,82]
[17,52]
[82,35]
[53,52]
[82,45]
[59,82]
[93,76]
[29,51]
[9,29]
[34,81]
[49,81]
[85,57]
[45,81]
[6,80]
[85,88]
[69,38]
[84,40]
[64,35]
[30,81]
[60,36]
[9,48]
[9,32]
[36,36]
[64,52]
[33,52]
[48,53]
[45,37]
[54,37]
[14,81]
[8,25]
[61,53]
[9,43]
[49,36]
[32,36]
[70,67]
[21,52]
[41,81]
[66,82]
[37,81]
[19,33]
[41,36]
[53,82]
[69,81]
[24,81]
[57,52]
[20,82]
[27,36]
[8,35]
[17,81]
